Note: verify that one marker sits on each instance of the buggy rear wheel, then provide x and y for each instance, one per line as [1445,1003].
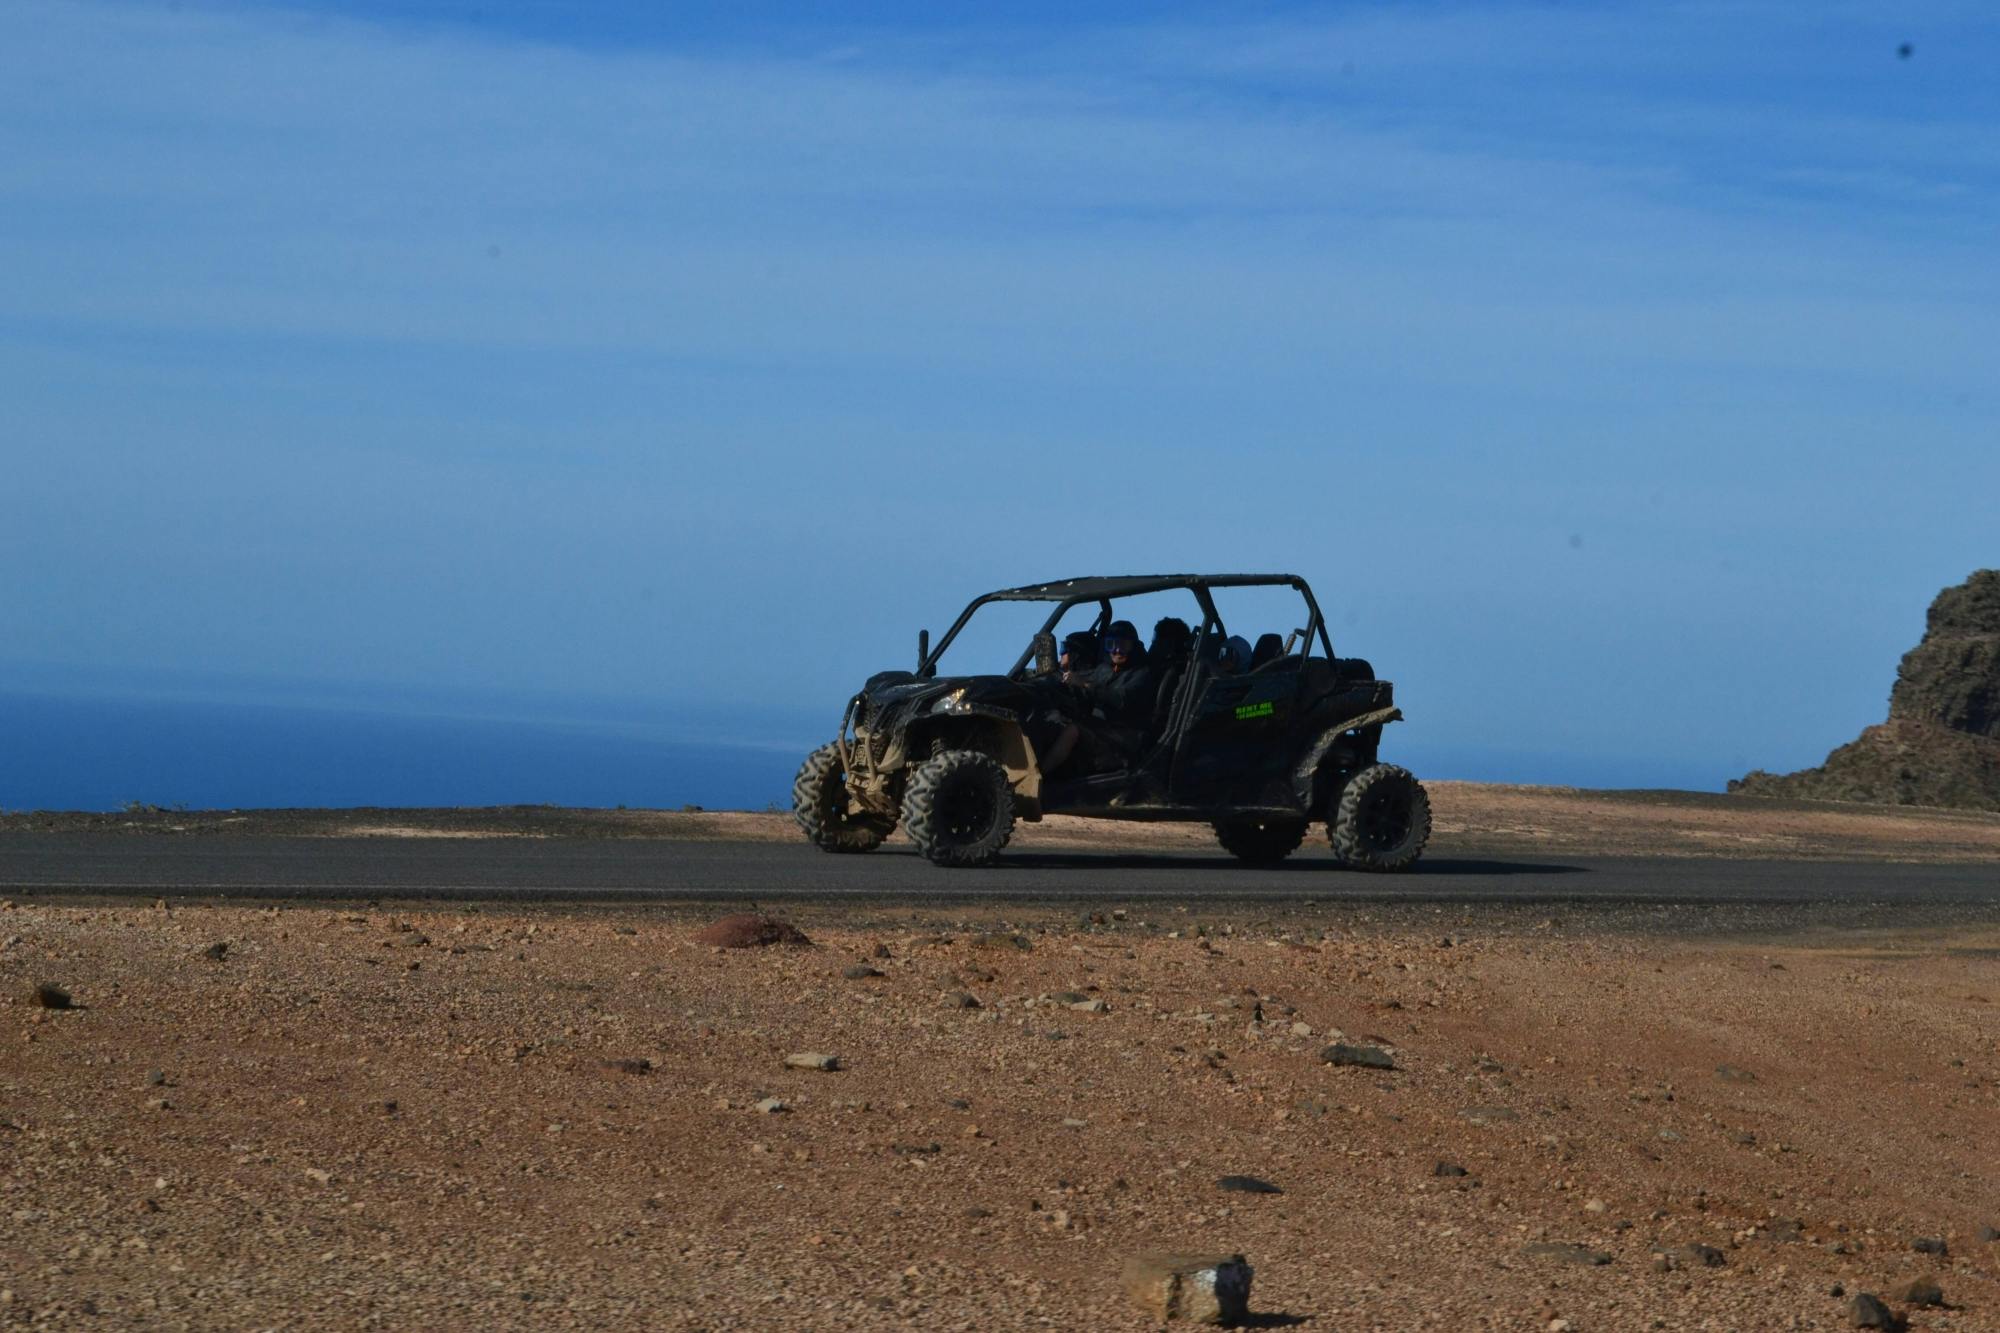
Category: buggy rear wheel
[1260,842]
[819,805]
[959,808]
[1381,819]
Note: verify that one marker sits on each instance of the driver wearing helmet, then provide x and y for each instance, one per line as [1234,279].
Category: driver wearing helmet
[1119,694]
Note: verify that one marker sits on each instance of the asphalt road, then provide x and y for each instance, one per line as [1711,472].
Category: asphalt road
[83,865]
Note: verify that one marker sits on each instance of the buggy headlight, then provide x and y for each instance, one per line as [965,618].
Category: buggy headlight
[952,703]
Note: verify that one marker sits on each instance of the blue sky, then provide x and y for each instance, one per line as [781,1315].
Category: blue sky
[1622,378]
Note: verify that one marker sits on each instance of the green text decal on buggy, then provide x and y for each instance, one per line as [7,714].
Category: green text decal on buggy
[1245,712]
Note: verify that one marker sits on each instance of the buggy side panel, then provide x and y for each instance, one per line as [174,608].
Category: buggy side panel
[1233,748]
[1340,750]
[991,731]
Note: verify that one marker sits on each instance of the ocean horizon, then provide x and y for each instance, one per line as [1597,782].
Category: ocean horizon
[60,752]
[229,747]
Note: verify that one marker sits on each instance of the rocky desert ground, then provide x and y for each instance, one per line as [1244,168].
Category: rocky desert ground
[369,1117]
[1469,818]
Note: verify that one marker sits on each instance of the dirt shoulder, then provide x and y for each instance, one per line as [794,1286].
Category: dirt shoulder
[491,1118]
[1469,817]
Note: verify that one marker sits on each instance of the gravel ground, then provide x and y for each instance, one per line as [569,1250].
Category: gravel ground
[1470,818]
[502,1118]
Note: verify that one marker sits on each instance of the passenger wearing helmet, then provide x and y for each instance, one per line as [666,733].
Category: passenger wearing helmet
[1122,689]
[1120,696]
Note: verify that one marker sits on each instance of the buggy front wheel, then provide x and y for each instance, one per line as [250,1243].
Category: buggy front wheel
[959,808]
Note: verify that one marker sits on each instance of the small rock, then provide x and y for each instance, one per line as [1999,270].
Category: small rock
[1562,1252]
[387,1106]
[1450,1171]
[46,996]
[1003,941]
[826,1064]
[1731,1074]
[625,1068]
[1070,997]
[1867,1311]
[319,1176]
[623,930]
[1092,1006]
[156,1078]
[1247,1185]
[1689,1256]
[1929,1245]
[861,972]
[1988,1235]
[1596,1206]
[159,1104]
[958,999]
[217,951]
[772,1106]
[746,930]
[1302,1029]
[1921,1292]
[1363,1057]
[1489,1115]
[1201,1289]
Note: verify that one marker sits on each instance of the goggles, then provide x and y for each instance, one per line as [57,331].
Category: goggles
[1125,646]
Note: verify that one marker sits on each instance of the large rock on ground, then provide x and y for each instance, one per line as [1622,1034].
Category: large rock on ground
[1198,1288]
[1941,743]
[747,930]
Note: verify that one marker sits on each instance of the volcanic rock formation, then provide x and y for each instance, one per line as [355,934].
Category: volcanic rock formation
[1941,744]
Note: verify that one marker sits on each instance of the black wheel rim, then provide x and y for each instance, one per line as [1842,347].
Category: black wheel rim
[833,800]
[1383,821]
[965,811]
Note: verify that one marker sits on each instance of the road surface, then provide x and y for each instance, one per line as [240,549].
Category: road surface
[635,870]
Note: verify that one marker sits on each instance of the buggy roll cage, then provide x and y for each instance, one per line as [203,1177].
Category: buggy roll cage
[1067,593]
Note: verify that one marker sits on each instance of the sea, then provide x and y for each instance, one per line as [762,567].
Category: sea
[235,746]
[93,752]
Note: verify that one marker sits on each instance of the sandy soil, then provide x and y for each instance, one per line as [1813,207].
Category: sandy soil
[361,1119]
[1468,817]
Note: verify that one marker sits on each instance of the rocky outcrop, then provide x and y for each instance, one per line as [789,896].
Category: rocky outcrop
[1952,678]
[1941,744]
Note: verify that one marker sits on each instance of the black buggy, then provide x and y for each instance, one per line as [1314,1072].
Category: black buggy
[1258,748]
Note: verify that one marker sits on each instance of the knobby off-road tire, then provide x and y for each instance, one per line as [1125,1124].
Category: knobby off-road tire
[1260,842]
[819,804]
[1381,819]
[959,808]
